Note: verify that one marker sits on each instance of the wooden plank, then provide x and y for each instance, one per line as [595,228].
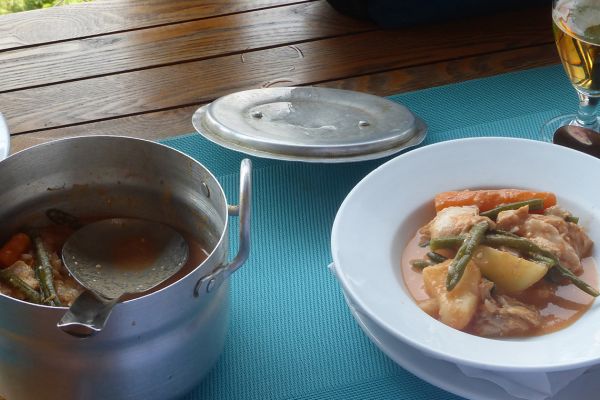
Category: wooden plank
[415,78]
[104,16]
[152,126]
[306,63]
[103,55]
[164,124]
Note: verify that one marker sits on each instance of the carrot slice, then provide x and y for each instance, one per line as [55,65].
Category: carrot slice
[12,250]
[488,199]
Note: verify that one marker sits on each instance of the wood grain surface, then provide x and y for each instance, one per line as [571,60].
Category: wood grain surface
[109,16]
[171,44]
[143,75]
[176,122]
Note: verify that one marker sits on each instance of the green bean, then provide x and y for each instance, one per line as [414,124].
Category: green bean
[464,254]
[521,244]
[534,205]
[554,276]
[526,246]
[420,264]
[60,217]
[550,262]
[494,239]
[447,242]
[518,243]
[504,233]
[44,274]
[19,284]
[572,219]
[436,257]
[567,273]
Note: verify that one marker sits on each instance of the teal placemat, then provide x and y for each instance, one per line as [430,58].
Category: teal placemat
[291,334]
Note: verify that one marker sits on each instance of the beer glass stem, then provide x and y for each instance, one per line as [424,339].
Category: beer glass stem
[586,115]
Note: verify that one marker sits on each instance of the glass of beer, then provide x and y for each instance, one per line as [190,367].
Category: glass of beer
[576,26]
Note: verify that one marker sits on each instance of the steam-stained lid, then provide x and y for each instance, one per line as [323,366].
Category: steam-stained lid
[309,124]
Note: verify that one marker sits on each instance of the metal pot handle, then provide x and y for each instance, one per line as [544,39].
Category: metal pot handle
[214,280]
[4,138]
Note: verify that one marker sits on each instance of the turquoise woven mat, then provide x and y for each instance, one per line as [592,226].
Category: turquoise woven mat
[291,334]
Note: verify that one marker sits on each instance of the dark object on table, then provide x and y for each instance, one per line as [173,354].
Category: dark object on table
[402,13]
[578,138]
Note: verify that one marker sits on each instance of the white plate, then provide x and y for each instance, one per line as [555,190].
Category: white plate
[448,376]
[386,208]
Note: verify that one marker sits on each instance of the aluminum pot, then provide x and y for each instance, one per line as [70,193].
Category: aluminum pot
[157,346]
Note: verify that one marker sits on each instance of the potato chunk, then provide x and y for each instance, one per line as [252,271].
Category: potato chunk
[510,273]
[457,307]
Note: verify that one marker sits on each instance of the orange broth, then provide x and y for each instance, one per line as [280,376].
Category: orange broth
[132,255]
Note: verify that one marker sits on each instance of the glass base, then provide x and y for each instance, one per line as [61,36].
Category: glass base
[551,126]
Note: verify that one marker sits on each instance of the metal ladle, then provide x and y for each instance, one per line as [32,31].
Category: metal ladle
[115,257]
[578,138]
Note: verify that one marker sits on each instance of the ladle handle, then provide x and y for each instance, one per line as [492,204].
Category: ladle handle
[243,210]
[87,315]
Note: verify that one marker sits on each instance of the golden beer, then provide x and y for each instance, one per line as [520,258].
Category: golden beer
[577,36]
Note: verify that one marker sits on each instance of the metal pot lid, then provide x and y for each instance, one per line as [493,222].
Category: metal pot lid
[309,124]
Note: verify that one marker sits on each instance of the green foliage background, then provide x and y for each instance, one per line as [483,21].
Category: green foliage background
[11,6]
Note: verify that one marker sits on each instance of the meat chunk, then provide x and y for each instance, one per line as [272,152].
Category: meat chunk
[566,240]
[457,307]
[557,212]
[512,220]
[66,287]
[578,239]
[453,221]
[504,316]
[23,271]
[67,290]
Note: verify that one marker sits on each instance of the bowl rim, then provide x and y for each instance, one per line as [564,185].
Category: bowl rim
[503,362]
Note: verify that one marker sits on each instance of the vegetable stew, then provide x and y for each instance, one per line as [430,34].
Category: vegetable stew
[31,267]
[509,269]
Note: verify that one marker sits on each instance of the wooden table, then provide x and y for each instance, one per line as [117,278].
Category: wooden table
[142,67]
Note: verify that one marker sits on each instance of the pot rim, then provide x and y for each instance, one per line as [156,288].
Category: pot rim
[219,243]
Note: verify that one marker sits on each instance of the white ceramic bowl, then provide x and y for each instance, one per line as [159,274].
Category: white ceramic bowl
[385,209]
